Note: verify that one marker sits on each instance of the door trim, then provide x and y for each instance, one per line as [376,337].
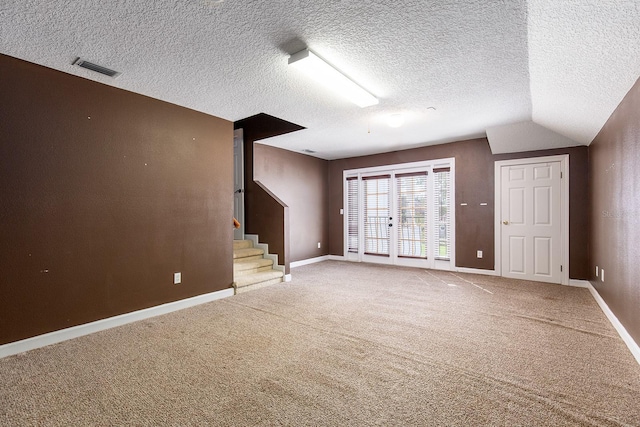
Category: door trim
[238,135]
[564,207]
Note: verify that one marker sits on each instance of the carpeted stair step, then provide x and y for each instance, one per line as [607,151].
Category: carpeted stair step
[247,252]
[257,280]
[244,266]
[242,244]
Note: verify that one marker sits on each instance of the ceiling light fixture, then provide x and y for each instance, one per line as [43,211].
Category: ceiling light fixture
[333,79]
[395,120]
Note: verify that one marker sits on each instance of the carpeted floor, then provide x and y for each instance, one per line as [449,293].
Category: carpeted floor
[343,344]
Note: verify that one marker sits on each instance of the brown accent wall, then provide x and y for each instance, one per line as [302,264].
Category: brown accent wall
[266,208]
[474,185]
[104,195]
[614,170]
[300,181]
[578,204]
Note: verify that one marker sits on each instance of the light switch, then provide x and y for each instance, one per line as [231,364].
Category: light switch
[177,278]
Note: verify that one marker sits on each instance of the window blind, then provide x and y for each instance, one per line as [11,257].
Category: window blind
[412,214]
[376,214]
[442,210]
[352,214]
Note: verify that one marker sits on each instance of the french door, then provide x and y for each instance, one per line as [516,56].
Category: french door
[401,215]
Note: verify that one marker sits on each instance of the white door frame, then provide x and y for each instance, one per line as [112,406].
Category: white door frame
[564,207]
[238,193]
[400,168]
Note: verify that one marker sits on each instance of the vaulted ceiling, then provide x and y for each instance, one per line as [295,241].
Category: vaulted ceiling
[454,68]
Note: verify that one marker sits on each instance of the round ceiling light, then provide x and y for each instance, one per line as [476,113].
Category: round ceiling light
[395,120]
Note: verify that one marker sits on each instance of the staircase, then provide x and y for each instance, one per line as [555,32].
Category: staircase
[251,270]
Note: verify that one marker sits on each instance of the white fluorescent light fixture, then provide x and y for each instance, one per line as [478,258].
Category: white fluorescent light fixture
[331,78]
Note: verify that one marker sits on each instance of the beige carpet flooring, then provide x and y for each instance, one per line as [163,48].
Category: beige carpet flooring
[343,345]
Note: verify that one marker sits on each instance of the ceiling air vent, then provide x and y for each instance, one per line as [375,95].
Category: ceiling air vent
[306,150]
[95,67]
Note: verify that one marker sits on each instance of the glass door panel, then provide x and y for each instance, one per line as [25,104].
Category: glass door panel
[411,200]
[377,210]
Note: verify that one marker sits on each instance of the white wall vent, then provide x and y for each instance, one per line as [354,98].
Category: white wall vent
[95,67]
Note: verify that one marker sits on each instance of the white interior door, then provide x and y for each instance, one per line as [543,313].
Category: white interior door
[238,182]
[531,212]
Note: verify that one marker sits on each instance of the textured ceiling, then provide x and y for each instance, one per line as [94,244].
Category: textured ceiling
[584,57]
[479,63]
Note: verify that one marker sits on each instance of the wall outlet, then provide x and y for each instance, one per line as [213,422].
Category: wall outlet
[597,271]
[479,254]
[602,274]
[177,278]
[318,245]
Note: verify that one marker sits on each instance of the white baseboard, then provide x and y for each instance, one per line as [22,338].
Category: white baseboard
[337,258]
[287,277]
[476,271]
[579,283]
[111,322]
[275,266]
[309,261]
[628,340]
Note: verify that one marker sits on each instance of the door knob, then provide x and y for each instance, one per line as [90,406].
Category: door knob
[505,222]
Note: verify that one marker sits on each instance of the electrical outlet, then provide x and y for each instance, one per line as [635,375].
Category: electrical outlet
[318,245]
[597,271]
[479,254]
[602,274]
[177,278]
